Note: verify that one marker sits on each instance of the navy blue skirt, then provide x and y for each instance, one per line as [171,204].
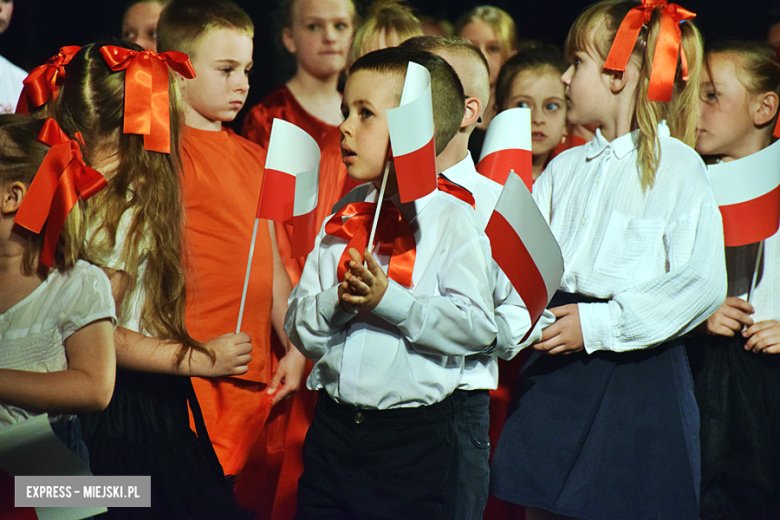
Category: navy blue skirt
[603,436]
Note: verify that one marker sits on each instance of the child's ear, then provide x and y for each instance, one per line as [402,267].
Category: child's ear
[473,112]
[764,108]
[617,80]
[13,194]
[288,41]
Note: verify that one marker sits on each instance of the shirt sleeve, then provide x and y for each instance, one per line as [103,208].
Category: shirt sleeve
[672,304]
[315,321]
[85,298]
[460,319]
[257,127]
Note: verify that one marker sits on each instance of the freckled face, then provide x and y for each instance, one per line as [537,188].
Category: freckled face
[364,133]
[541,91]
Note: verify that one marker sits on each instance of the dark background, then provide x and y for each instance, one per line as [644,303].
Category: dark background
[40,27]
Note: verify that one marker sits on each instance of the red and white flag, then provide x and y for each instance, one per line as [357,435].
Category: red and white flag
[507,147]
[747,191]
[411,136]
[525,248]
[291,183]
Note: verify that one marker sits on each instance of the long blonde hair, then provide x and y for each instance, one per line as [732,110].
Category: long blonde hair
[91,101]
[595,31]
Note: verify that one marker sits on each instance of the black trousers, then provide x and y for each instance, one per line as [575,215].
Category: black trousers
[379,464]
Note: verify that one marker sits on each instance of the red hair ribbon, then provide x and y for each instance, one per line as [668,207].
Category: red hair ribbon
[394,234]
[146,91]
[667,48]
[456,190]
[43,82]
[61,180]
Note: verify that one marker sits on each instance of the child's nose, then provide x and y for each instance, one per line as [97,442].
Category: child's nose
[329,34]
[566,77]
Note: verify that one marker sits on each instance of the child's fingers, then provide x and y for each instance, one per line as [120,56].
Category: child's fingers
[354,255]
[739,303]
[563,310]
[758,327]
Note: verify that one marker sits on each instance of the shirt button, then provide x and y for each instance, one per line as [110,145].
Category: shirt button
[358,417]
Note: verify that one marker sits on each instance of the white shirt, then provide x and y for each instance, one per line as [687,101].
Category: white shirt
[33,332]
[657,255]
[740,264]
[11,78]
[409,350]
[512,318]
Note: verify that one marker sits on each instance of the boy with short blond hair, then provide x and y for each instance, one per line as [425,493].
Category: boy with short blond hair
[389,352]
[222,174]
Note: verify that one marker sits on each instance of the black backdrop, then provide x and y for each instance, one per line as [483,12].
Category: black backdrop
[40,27]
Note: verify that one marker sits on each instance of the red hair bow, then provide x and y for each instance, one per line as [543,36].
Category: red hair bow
[61,179]
[395,236]
[146,91]
[667,49]
[43,82]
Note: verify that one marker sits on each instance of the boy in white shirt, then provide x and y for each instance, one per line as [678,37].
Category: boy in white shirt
[388,353]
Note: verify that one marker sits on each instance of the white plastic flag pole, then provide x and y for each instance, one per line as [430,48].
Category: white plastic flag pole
[246,278]
[755,271]
[379,200]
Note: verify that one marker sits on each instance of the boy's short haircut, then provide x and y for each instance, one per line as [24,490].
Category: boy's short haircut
[480,82]
[183,22]
[446,89]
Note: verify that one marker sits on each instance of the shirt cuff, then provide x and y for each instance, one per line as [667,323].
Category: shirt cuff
[596,326]
[395,305]
[329,308]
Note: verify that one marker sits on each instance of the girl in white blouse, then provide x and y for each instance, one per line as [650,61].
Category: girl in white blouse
[610,429]
[56,311]
[736,384]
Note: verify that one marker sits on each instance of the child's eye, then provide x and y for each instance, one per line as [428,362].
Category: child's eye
[341,26]
[249,71]
[711,96]
[552,107]
[365,113]
[523,104]
[313,26]
[494,49]
[226,70]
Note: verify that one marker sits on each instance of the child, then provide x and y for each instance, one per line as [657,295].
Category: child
[611,429]
[139,24]
[222,175]
[56,326]
[734,385]
[494,32]
[472,398]
[136,237]
[532,79]
[318,33]
[388,354]
[386,24]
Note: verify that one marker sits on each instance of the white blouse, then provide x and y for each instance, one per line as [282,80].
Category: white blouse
[656,254]
[33,332]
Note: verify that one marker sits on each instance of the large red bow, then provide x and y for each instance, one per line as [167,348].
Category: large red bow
[61,179]
[43,82]
[146,91]
[667,48]
[394,234]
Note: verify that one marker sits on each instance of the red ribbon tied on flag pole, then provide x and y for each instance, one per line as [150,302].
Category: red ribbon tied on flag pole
[667,48]
[395,236]
[61,180]
[43,83]
[146,91]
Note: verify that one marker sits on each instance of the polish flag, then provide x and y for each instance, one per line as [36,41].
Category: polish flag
[291,183]
[528,254]
[411,136]
[30,448]
[507,147]
[747,191]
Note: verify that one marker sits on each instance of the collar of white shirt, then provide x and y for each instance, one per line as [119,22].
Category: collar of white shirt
[622,145]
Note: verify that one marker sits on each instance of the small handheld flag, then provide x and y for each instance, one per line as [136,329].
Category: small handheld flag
[507,147]
[411,136]
[528,254]
[747,191]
